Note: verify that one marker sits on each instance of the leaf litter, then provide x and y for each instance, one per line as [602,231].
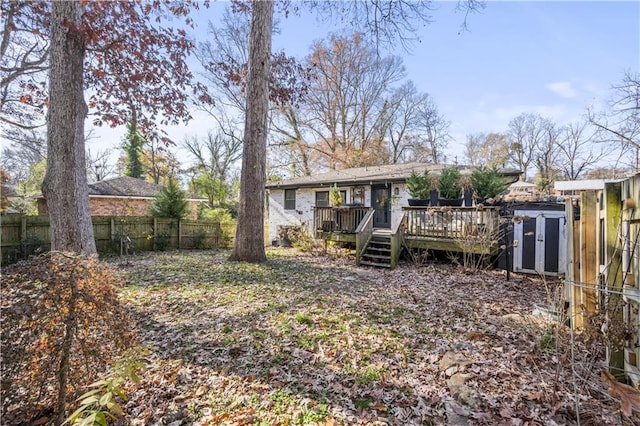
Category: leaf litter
[315,340]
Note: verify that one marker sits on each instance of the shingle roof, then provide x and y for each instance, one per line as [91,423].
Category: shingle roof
[124,186]
[371,174]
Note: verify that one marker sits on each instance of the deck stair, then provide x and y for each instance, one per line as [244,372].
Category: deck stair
[378,251]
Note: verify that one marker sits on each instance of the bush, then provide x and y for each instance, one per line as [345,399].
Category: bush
[200,239]
[162,240]
[449,183]
[62,325]
[297,237]
[418,186]
[487,182]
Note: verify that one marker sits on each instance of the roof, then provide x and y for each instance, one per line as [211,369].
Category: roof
[520,185]
[580,185]
[128,187]
[369,175]
[124,186]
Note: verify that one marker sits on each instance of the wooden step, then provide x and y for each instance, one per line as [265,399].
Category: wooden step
[377,256]
[380,265]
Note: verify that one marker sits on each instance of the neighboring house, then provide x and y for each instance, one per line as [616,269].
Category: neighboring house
[123,196]
[574,188]
[294,201]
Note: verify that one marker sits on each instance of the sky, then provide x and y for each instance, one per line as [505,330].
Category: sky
[551,58]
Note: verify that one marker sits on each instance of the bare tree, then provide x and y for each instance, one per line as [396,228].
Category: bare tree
[24,61]
[546,156]
[402,130]
[487,149]
[99,165]
[25,149]
[216,154]
[432,132]
[292,152]
[525,135]
[577,151]
[620,125]
[346,112]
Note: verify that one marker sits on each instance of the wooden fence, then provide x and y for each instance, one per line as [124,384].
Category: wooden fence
[603,269]
[21,235]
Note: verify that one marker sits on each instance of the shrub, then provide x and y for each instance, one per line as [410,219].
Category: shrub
[200,239]
[418,186]
[62,324]
[487,182]
[449,183]
[162,240]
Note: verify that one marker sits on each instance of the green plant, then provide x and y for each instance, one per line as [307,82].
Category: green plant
[170,202]
[335,198]
[200,239]
[449,185]
[62,324]
[418,186]
[162,240]
[487,182]
[101,403]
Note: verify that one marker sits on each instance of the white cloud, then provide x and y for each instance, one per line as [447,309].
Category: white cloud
[563,88]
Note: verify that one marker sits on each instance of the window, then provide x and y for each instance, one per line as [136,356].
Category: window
[322,198]
[289,199]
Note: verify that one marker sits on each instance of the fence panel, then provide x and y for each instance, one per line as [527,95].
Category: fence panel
[21,236]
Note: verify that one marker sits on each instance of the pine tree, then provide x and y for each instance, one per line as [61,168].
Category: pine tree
[133,148]
[171,202]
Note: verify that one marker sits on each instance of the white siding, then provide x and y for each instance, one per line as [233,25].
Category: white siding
[305,202]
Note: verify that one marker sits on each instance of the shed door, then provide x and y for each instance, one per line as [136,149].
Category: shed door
[381,203]
[541,243]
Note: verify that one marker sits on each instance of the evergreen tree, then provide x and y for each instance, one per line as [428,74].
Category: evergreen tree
[171,202]
[133,149]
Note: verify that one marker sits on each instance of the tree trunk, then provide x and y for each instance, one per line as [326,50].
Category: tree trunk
[249,244]
[65,183]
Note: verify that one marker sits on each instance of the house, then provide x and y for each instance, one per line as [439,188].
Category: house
[123,196]
[573,189]
[375,202]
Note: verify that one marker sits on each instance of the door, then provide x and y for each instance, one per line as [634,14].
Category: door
[540,242]
[381,203]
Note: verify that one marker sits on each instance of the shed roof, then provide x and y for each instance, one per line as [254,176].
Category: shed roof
[369,175]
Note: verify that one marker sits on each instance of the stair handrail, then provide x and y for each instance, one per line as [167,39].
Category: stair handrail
[363,234]
[397,238]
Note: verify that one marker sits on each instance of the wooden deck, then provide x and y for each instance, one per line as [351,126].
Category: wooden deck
[454,229]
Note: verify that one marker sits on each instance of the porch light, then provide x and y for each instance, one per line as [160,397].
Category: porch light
[396,191]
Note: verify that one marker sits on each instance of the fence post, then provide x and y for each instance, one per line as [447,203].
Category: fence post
[23,227]
[112,229]
[155,232]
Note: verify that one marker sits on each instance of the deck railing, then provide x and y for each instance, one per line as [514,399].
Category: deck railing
[451,222]
[363,234]
[397,237]
[338,219]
